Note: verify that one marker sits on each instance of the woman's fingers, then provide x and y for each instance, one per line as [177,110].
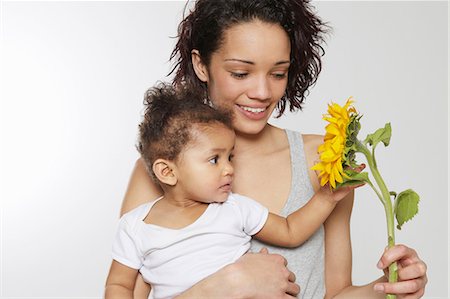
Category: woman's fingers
[416,295]
[411,273]
[292,288]
[264,250]
[408,288]
[291,277]
[400,253]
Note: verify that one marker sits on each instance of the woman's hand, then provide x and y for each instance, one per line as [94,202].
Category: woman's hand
[412,273]
[254,275]
[264,275]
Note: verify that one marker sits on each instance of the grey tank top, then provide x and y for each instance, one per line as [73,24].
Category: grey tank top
[307,260]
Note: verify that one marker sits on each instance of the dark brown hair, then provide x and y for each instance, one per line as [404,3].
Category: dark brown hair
[170,114]
[203,29]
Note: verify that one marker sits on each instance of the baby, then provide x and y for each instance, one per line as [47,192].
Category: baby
[198,226]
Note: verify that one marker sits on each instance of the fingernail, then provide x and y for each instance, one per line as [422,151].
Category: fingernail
[379,288]
[380,264]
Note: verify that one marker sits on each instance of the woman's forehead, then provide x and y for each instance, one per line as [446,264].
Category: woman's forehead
[249,41]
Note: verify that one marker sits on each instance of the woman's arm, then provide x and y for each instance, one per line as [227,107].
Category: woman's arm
[141,188]
[254,275]
[338,249]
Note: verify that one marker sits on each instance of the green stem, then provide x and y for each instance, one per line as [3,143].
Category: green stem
[386,199]
[375,190]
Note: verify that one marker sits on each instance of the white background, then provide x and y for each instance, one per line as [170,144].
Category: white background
[73,75]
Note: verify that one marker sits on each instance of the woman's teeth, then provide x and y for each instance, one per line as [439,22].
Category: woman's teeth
[253,110]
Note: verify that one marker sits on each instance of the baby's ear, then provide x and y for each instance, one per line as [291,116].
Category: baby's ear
[163,170]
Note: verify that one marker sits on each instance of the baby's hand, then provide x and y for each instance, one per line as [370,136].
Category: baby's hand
[335,195]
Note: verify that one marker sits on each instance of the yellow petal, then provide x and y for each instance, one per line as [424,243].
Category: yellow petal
[337,175]
[328,168]
[318,166]
[331,180]
[332,129]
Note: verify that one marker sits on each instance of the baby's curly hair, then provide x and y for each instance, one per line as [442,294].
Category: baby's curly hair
[170,114]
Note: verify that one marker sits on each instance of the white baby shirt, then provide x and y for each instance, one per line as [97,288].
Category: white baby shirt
[173,260]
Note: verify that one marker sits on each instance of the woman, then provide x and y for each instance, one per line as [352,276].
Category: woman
[254,57]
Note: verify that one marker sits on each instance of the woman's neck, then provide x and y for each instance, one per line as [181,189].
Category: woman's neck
[262,142]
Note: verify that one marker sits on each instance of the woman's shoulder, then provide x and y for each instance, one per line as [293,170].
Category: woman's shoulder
[312,141]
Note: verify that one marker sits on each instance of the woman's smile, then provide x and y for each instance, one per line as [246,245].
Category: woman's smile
[253,113]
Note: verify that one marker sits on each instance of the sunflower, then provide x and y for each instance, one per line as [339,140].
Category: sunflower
[336,151]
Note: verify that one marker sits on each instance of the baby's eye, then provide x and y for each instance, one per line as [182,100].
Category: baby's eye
[230,157]
[214,160]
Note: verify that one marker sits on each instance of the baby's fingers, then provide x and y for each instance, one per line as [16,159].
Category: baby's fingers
[358,168]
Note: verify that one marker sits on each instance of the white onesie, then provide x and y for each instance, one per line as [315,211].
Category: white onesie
[173,260]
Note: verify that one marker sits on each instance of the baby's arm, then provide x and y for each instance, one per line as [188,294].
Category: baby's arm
[300,225]
[120,282]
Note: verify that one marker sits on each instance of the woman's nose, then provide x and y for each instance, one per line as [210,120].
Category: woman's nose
[261,89]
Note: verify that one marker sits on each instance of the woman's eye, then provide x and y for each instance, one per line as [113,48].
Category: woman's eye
[280,75]
[214,160]
[239,75]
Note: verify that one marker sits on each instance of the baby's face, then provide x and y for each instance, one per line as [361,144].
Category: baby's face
[205,170]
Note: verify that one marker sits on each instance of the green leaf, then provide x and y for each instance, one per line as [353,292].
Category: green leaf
[349,183]
[406,206]
[356,178]
[361,176]
[382,134]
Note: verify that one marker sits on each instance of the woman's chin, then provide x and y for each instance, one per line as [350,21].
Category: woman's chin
[247,123]
[249,129]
